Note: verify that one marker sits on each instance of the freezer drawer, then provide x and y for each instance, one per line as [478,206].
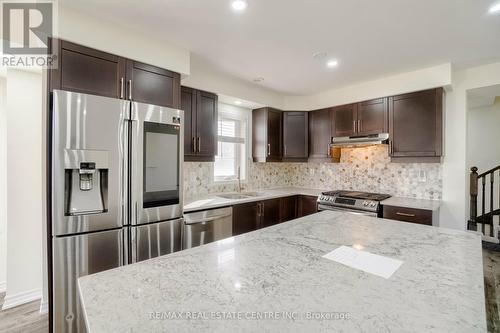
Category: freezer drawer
[76,256]
[207,226]
[153,240]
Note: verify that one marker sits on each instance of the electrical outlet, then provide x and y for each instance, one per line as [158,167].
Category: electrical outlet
[422,176]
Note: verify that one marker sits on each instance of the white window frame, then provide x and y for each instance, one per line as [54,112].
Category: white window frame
[227,111]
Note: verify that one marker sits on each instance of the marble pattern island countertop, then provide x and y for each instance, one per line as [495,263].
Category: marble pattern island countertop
[278,274]
[216,201]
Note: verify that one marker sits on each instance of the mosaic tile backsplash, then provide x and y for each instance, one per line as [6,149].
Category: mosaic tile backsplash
[363,169]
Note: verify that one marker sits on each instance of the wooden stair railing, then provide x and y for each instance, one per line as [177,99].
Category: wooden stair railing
[486,217]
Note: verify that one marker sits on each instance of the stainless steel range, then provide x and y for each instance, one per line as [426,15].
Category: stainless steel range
[362,203]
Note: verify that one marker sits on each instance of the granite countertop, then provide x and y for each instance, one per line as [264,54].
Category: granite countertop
[214,201]
[223,286]
[412,203]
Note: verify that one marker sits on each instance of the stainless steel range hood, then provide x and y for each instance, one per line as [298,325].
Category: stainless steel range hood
[359,140]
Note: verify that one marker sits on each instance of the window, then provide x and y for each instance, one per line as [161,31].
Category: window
[232,130]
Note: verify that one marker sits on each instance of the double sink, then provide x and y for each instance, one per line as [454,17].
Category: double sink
[243,195]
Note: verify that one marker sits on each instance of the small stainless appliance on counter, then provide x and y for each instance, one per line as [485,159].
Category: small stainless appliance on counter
[207,226]
[116,191]
[362,203]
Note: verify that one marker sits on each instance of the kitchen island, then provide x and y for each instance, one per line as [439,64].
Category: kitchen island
[276,280]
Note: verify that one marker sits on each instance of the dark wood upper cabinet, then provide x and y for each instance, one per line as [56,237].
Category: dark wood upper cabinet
[270,212]
[188,105]
[267,135]
[344,121]
[320,133]
[152,85]
[85,70]
[372,117]
[365,118]
[415,126]
[206,124]
[200,131]
[295,136]
[246,217]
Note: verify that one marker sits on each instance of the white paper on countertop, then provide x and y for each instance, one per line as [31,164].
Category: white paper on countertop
[365,261]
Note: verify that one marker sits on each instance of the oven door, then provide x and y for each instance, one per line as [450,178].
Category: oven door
[157,154]
[347,210]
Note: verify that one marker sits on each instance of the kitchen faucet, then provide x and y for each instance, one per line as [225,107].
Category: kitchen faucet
[239,179]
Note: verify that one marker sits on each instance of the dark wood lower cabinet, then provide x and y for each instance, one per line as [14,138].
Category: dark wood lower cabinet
[246,217]
[288,209]
[260,214]
[413,215]
[270,212]
[307,205]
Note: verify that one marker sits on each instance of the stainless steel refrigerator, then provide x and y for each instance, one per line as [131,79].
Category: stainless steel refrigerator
[116,190]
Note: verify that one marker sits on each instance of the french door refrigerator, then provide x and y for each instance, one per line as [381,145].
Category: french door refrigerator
[116,191]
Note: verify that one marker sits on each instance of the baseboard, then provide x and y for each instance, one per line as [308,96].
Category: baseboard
[44,307]
[24,297]
[3,286]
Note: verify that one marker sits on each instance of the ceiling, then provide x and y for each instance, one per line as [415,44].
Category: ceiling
[483,97]
[276,39]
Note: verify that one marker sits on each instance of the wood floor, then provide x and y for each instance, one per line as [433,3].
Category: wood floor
[23,319]
[27,319]
[491,264]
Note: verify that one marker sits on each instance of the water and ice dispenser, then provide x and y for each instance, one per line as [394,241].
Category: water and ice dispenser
[86,182]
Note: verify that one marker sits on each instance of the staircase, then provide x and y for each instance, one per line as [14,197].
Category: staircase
[485,193]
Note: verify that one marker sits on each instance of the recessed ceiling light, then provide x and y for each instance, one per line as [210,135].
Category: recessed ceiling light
[494,9]
[319,55]
[237,102]
[332,63]
[239,5]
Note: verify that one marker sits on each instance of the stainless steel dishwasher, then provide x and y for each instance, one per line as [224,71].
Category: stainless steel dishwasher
[207,226]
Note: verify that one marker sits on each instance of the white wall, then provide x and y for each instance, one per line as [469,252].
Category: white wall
[24,186]
[120,40]
[204,76]
[427,78]
[3,186]
[483,137]
[483,144]
[454,212]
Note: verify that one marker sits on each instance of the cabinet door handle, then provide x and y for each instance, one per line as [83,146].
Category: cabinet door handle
[199,144]
[285,150]
[193,149]
[354,124]
[405,214]
[121,88]
[130,89]
[268,149]
[329,153]
[359,125]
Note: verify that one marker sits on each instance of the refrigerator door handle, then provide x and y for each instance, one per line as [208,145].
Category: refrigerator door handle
[125,158]
[134,138]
